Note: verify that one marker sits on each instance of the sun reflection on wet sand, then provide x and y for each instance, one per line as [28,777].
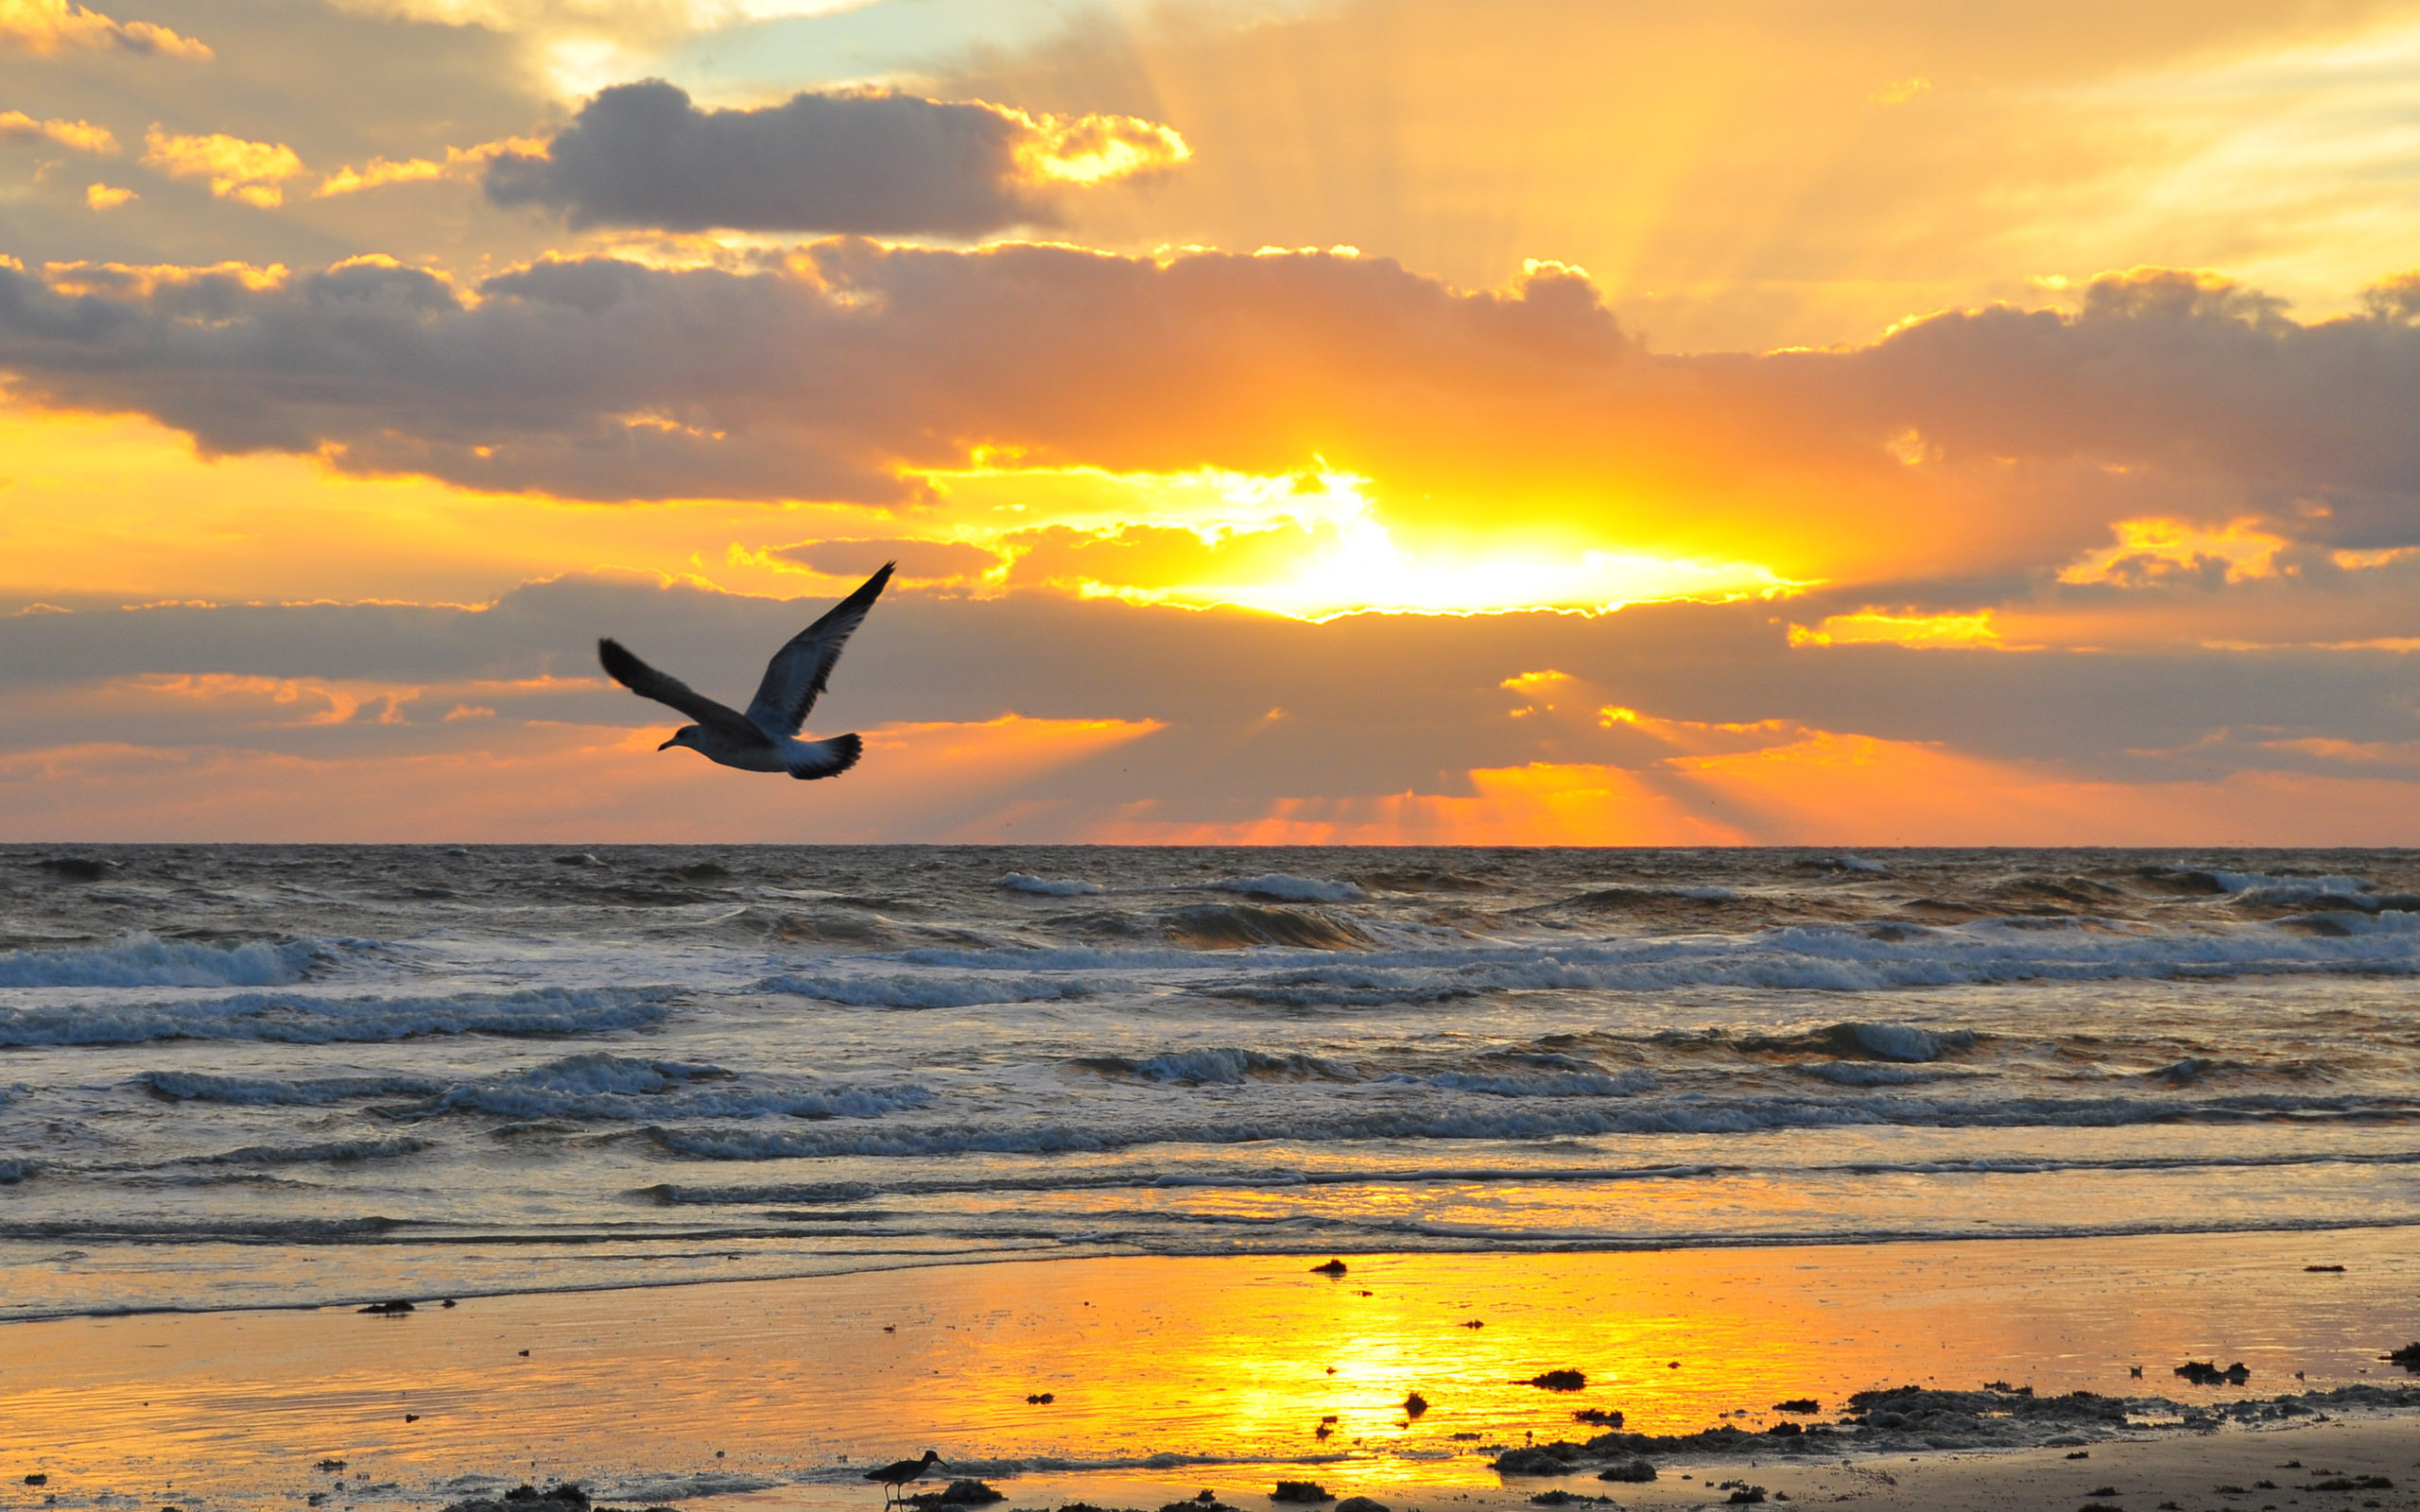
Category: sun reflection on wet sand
[1228,1360]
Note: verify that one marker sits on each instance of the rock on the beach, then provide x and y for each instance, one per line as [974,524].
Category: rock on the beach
[1303,1491]
[1414,1405]
[1799,1404]
[1628,1469]
[1333,1267]
[1538,1459]
[2207,1373]
[960,1493]
[1559,1381]
[566,1497]
[2407,1357]
[1599,1417]
[1362,1504]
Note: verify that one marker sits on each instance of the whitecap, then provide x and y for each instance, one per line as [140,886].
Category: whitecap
[144,960]
[1285,887]
[1051,887]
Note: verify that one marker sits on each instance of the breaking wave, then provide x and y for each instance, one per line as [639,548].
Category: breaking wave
[613,1088]
[296,1019]
[144,960]
[1051,887]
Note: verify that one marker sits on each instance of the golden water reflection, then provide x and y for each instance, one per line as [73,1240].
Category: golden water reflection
[1234,1358]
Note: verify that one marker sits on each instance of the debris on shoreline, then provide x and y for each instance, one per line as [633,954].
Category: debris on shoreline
[566,1497]
[1913,1420]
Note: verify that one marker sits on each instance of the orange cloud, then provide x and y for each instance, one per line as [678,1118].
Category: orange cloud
[459,163]
[81,136]
[238,170]
[1877,628]
[2160,551]
[1087,149]
[44,27]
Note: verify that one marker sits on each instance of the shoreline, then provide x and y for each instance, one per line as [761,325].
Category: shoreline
[777,1391]
[1073,1254]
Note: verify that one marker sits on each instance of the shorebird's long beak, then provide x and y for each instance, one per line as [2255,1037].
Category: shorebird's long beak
[667,745]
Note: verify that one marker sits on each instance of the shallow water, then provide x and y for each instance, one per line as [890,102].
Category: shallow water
[240,1076]
[1167,1375]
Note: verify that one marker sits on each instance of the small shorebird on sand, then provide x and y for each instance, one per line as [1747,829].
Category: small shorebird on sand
[895,1476]
[765,738]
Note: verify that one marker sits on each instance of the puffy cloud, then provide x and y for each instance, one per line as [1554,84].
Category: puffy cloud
[642,155]
[250,171]
[81,136]
[106,196]
[58,25]
[1999,440]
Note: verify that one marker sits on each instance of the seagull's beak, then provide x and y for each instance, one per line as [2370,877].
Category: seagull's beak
[669,744]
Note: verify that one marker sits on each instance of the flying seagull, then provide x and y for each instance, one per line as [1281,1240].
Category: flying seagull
[765,739]
[897,1476]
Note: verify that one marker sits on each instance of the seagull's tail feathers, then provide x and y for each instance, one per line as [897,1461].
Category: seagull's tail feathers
[826,757]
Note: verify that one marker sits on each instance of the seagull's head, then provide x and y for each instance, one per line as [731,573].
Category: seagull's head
[686,735]
[933,1457]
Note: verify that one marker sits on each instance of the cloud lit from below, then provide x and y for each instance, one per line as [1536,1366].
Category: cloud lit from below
[43,26]
[642,155]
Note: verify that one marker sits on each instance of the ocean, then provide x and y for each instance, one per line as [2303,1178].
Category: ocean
[239,1076]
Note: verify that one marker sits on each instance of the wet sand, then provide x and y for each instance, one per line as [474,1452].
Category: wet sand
[776,1394]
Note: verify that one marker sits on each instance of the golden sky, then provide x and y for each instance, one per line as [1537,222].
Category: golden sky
[1657,422]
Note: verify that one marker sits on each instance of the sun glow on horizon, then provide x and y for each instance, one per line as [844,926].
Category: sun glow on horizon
[1311,545]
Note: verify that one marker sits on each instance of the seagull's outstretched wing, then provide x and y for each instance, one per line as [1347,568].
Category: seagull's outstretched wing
[796,676]
[646,682]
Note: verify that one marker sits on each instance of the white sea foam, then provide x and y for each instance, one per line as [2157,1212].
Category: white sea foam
[144,960]
[1051,887]
[656,1490]
[1290,889]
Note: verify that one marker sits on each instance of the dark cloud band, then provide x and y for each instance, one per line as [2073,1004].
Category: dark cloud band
[642,155]
[844,372]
